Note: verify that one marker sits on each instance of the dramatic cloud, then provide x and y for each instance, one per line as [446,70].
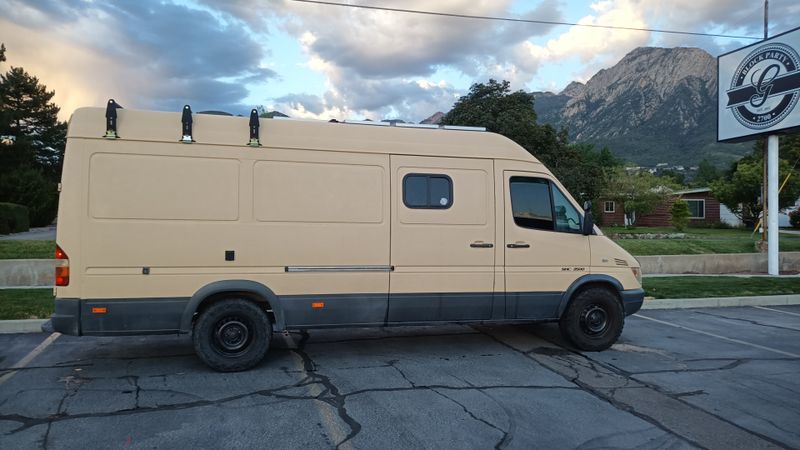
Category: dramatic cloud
[144,54]
[216,54]
[382,64]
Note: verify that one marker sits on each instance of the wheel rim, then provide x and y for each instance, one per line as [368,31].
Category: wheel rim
[232,335]
[594,320]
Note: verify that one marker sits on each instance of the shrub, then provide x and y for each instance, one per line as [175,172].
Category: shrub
[31,188]
[13,218]
[680,215]
[794,218]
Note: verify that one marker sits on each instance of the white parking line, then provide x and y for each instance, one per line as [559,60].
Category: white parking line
[29,357]
[777,310]
[737,341]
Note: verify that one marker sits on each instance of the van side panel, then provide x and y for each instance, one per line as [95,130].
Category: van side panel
[164,224]
[443,257]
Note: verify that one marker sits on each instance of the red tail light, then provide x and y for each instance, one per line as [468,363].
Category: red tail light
[62,267]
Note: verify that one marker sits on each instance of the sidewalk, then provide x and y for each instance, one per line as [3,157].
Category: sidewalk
[34,234]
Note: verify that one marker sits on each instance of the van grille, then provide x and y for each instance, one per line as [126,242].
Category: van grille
[621,262]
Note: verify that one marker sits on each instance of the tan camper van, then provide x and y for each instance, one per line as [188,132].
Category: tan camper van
[231,229]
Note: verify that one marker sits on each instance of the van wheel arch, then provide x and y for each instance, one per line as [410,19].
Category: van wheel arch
[592,315]
[233,289]
[587,282]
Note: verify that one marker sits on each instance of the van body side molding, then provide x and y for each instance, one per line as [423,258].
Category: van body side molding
[339,268]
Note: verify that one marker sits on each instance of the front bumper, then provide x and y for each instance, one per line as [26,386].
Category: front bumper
[632,300]
[67,316]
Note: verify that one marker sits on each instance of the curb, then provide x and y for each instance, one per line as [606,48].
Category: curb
[21,326]
[722,302]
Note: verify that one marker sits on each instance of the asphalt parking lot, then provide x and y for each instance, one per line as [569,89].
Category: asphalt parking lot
[707,378]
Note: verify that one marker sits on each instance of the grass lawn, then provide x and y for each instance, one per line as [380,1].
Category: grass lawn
[27,249]
[699,287]
[698,241]
[26,304]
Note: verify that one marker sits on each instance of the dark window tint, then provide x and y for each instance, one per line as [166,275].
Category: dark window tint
[427,191]
[415,191]
[531,204]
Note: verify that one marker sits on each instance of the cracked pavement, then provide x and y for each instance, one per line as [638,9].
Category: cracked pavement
[732,385]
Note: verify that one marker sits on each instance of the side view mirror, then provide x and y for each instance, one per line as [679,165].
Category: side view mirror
[588,220]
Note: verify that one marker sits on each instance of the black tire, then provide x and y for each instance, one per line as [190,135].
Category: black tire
[593,320]
[232,335]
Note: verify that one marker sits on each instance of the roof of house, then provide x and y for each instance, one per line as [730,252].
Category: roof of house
[693,191]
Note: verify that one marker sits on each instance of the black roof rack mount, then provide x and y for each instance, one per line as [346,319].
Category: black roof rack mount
[186,125]
[111,119]
[254,126]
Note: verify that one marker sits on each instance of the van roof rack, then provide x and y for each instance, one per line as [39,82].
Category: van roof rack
[414,125]
[389,124]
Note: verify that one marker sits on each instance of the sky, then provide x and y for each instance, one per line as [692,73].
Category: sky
[326,61]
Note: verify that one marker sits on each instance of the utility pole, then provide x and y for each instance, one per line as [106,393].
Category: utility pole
[765,171]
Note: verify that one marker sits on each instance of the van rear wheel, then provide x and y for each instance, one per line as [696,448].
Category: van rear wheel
[593,320]
[232,335]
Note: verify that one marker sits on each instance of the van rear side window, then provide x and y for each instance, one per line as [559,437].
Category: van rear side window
[427,191]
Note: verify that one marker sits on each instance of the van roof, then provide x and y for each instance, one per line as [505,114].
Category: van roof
[90,123]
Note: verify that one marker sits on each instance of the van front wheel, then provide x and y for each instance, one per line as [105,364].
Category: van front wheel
[232,335]
[593,320]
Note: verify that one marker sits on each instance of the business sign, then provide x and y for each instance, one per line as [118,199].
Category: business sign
[759,89]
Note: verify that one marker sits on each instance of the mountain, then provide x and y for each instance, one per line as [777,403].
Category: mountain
[434,119]
[656,105]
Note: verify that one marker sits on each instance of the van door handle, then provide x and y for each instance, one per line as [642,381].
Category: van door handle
[481,245]
[518,245]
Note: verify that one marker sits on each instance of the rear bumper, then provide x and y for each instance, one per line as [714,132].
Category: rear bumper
[67,316]
[632,300]
[120,317]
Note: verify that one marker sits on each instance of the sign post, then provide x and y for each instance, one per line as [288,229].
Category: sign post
[759,91]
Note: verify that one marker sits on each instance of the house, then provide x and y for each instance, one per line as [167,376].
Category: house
[704,209]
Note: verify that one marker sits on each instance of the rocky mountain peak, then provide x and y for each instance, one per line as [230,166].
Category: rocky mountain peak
[654,105]
[435,119]
[573,89]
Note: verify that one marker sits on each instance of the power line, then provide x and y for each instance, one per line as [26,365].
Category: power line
[518,20]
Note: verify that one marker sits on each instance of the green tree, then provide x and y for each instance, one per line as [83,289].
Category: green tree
[674,177]
[679,215]
[740,187]
[706,173]
[587,171]
[640,193]
[2,52]
[740,190]
[31,165]
[495,107]
[29,114]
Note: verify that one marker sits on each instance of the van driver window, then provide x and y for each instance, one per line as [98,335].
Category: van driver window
[567,217]
[533,206]
[530,202]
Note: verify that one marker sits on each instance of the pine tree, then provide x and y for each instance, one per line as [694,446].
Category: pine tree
[30,165]
[28,113]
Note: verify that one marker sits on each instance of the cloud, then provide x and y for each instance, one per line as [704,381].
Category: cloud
[382,64]
[144,54]
[594,47]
